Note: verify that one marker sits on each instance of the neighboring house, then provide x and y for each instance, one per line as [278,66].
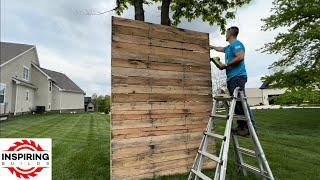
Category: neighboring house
[262,95]
[254,96]
[25,85]
[88,105]
[268,92]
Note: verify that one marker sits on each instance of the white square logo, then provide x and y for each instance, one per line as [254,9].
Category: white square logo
[25,158]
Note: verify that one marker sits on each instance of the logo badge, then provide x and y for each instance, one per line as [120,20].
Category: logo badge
[23,158]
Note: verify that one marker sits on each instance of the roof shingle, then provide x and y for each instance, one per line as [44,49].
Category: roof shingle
[63,81]
[11,50]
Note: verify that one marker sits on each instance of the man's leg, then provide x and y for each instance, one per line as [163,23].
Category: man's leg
[232,84]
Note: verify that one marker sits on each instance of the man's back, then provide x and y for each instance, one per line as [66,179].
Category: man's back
[230,53]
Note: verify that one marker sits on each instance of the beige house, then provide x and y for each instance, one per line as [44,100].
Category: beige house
[262,95]
[26,86]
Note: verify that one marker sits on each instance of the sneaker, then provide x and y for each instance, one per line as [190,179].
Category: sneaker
[244,132]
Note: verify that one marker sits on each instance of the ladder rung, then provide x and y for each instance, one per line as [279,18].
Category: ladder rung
[223,98]
[254,170]
[247,151]
[218,136]
[240,117]
[200,174]
[221,116]
[212,157]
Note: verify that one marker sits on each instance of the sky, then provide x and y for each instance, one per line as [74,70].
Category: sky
[69,38]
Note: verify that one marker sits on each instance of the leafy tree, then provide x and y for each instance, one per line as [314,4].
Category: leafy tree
[299,66]
[101,103]
[212,11]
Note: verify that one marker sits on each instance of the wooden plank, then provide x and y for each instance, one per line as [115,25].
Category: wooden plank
[140,64]
[126,124]
[154,140]
[128,89]
[156,130]
[129,23]
[116,117]
[127,72]
[137,80]
[161,97]
[132,31]
[160,105]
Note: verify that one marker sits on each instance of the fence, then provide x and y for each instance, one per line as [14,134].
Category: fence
[161,98]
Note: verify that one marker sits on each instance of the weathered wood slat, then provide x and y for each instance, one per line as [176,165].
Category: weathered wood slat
[140,64]
[135,80]
[128,89]
[162,97]
[153,115]
[160,105]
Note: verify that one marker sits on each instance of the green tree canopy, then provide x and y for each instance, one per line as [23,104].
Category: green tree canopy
[299,45]
[211,11]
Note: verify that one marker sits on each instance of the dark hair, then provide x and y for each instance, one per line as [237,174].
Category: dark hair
[234,31]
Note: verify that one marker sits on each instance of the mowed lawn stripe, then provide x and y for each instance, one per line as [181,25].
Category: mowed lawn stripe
[81,142]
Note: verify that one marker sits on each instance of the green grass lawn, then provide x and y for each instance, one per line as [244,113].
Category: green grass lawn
[80,142]
[291,142]
[290,138]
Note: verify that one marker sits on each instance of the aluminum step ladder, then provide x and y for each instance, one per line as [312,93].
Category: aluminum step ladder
[221,161]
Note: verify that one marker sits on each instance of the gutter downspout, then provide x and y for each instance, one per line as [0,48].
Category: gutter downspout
[60,100]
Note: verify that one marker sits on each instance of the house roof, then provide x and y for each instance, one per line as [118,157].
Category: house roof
[9,51]
[63,81]
[87,99]
[265,85]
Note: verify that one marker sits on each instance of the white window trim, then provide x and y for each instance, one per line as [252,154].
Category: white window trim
[27,96]
[4,95]
[25,67]
[50,87]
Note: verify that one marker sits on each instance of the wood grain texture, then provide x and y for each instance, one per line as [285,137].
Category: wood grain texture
[161,98]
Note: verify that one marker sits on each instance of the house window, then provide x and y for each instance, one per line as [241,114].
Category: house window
[50,86]
[49,106]
[26,73]
[2,93]
[27,95]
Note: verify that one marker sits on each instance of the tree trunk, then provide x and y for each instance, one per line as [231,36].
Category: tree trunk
[138,10]
[165,9]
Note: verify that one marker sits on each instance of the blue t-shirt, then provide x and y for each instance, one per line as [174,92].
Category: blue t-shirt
[230,53]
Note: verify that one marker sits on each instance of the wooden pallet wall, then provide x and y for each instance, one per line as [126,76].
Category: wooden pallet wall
[161,86]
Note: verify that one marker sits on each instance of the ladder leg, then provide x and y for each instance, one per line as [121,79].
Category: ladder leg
[238,155]
[255,137]
[227,134]
[204,144]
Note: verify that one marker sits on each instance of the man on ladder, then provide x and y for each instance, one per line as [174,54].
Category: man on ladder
[236,73]
[237,107]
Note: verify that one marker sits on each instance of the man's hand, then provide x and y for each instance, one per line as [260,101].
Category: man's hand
[223,66]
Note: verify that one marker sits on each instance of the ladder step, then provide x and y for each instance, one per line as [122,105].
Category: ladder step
[223,98]
[218,136]
[254,170]
[240,117]
[212,157]
[220,116]
[247,151]
[200,174]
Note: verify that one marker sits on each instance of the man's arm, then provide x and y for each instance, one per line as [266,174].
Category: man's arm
[219,49]
[239,57]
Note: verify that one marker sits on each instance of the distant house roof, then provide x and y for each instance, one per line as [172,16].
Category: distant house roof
[87,100]
[9,51]
[62,81]
[265,85]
